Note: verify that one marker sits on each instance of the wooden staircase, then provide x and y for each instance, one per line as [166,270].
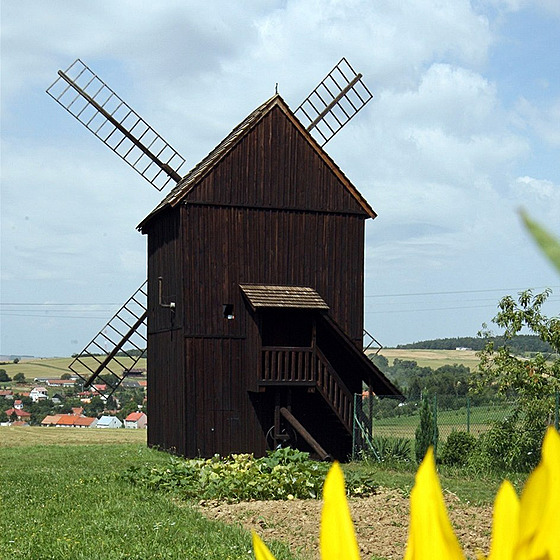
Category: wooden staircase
[307,367]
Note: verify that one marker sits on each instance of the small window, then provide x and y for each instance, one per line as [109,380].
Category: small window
[228,311]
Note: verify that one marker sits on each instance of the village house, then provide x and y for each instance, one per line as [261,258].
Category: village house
[18,411]
[109,422]
[61,383]
[136,420]
[69,421]
[39,393]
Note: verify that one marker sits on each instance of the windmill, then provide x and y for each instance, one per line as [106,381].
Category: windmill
[118,346]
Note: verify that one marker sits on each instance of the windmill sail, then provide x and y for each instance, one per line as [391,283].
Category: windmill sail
[336,100]
[105,114]
[116,349]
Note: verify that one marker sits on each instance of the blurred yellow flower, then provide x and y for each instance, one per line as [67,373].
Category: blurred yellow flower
[525,529]
[430,535]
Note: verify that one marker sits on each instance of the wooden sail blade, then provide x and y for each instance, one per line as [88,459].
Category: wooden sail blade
[116,348]
[117,125]
[336,100]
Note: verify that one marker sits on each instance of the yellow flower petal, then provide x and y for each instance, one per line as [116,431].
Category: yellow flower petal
[430,534]
[505,523]
[260,549]
[539,521]
[338,540]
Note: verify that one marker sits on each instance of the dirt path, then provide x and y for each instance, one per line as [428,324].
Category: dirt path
[381,523]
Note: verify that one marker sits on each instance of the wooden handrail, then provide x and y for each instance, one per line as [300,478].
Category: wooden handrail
[334,390]
[308,365]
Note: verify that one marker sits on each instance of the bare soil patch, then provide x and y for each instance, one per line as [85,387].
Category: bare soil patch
[381,523]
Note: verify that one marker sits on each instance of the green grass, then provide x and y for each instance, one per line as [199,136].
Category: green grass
[471,487]
[68,502]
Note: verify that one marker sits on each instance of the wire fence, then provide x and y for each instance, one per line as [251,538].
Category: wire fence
[377,418]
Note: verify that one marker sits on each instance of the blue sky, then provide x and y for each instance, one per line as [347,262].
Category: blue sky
[464,130]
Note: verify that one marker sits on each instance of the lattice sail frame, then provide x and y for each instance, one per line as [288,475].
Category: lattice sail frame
[116,124]
[336,100]
[107,354]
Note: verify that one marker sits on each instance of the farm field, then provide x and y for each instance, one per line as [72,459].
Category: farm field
[433,358]
[53,368]
[35,436]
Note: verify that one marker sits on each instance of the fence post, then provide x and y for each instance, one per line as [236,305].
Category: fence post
[557,411]
[435,436]
[354,428]
[468,415]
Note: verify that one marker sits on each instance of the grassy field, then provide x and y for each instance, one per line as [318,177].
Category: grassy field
[53,368]
[65,501]
[36,435]
[433,358]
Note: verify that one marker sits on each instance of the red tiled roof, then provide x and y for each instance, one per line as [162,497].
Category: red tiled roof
[67,420]
[84,421]
[48,420]
[134,416]
[19,412]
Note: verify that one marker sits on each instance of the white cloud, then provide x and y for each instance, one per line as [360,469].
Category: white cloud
[543,120]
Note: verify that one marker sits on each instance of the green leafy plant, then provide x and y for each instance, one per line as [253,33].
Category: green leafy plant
[283,474]
[389,450]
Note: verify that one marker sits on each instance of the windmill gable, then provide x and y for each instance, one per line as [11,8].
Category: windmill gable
[268,161]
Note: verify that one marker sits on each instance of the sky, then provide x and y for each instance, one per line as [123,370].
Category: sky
[462,132]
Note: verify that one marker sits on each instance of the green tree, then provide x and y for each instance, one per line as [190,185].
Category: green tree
[4,376]
[95,407]
[19,377]
[427,432]
[529,377]
[126,409]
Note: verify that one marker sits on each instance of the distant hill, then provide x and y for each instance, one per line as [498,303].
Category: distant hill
[520,343]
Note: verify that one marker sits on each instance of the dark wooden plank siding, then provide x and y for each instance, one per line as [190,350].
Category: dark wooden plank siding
[231,246]
[167,394]
[224,418]
[291,175]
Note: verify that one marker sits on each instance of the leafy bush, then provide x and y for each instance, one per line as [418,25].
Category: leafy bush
[458,448]
[513,445]
[283,474]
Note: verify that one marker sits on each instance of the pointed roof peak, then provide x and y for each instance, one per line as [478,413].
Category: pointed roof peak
[189,181]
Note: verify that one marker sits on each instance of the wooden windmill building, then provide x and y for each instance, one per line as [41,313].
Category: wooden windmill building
[255,277]
[259,252]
